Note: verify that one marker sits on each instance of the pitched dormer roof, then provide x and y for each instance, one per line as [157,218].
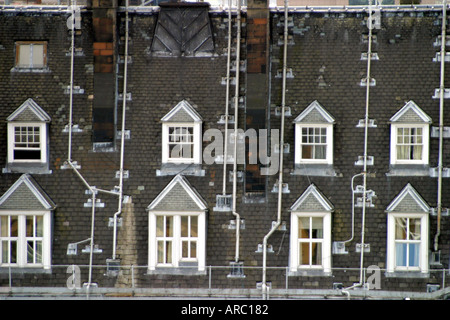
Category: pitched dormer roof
[314,113]
[182,112]
[178,195]
[26,194]
[312,200]
[408,201]
[29,111]
[411,113]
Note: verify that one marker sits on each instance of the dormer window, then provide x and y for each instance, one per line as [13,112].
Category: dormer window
[26,226]
[311,233]
[408,224]
[314,136]
[410,136]
[181,135]
[28,139]
[177,230]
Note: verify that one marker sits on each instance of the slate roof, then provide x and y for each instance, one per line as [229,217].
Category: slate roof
[324,54]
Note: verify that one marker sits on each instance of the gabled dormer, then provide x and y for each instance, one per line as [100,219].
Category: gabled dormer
[314,138]
[410,141]
[407,235]
[181,139]
[177,230]
[310,244]
[25,225]
[28,139]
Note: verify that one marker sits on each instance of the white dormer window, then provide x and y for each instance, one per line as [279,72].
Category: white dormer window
[407,247]
[177,229]
[314,136]
[311,232]
[181,135]
[28,135]
[25,225]
[410,136]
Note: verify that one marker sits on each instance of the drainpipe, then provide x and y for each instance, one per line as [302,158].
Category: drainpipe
[236,109]
[225,152]
[122,142]
[441,125]
[280,177]
[72,50]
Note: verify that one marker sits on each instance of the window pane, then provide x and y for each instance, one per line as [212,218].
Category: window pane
[414,229]
[160,251]
[303,228]
[316,252]
[320,152]
[3,226]
[30,251]
[194,226]
[169,252]
[24,55]
[160,226]
[14,226]
[185,249]
[39,226]
[169,226]
[184,226]
[317,228]
[400,254]
[38,251]
[38,55]
[29,226]
[13,251]
[193,249]
[400,228]
[304,253]
[414,251]
[307,152]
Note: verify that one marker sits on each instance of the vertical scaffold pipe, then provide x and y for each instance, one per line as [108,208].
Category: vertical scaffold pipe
[236,110]
[441,124]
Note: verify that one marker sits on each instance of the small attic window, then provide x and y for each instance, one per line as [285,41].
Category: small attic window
[314,136]
[181,135]
[28,139]
[31,56]
[410,128]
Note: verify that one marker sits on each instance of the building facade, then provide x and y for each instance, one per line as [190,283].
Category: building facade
[114,123]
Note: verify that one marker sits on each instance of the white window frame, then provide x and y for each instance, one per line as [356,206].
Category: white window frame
[425,143]
[299,142]
[295,265]
[177,240]
[22,240]
[196,156]
[391,245]
[12,143]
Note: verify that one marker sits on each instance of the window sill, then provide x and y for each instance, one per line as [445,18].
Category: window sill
[407,274]
[309,169]
[309,273]
[182,271]
[31,168]
[30,70]
[408,170]
[24,270]
[171,169]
